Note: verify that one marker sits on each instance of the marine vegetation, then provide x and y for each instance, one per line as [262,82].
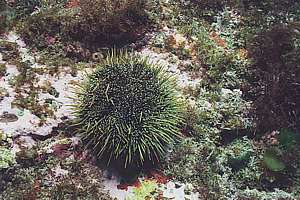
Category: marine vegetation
[181,99]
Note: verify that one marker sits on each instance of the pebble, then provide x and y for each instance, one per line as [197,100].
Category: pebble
[8,117]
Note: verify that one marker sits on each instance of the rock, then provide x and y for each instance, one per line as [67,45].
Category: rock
[25,142]
[44,136]
[25,150]
[59,172]
[26,156]
[8,117]
[225,91]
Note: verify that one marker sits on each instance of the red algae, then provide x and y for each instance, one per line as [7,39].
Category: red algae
[124,186]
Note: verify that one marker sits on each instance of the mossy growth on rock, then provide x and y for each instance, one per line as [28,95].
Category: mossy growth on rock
[9,51]
[63,174]
[80,28]
[128,111]
[2,70]
[108,23]
[275,71]
[3,20]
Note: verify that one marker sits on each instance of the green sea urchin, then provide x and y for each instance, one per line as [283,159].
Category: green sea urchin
[127,110]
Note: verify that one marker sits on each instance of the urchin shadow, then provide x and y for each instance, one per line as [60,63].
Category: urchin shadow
[128,174]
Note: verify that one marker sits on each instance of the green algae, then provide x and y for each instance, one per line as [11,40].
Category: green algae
[7,158]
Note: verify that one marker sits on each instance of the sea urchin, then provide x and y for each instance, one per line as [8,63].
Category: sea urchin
[128,111]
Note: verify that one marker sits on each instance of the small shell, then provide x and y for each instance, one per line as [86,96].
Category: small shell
[97,56]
